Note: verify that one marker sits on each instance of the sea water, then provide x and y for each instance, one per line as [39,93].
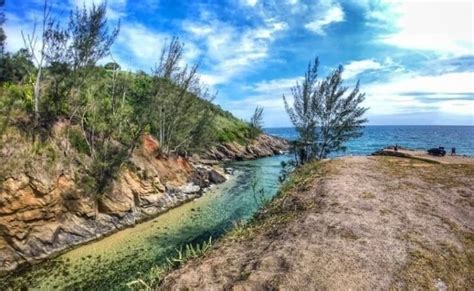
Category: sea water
[129,254]
[414,137]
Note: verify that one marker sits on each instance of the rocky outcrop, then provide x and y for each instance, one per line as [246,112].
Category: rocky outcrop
[43,211]
[263,146]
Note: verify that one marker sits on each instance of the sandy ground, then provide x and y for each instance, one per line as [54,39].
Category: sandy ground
[359,223]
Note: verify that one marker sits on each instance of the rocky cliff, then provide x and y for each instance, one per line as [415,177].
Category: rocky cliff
[262,146]
[43,210]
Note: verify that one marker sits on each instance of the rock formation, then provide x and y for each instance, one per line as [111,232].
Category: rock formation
[43,210]
[263,146]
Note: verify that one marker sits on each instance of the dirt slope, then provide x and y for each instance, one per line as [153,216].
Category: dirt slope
[359,223]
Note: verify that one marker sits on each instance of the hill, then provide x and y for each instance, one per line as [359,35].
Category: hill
[74,178]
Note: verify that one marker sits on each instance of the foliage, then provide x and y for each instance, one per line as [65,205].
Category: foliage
[287,168]
[256,122]
[3,37]
[107,128]
[15,68]
[258,192]
[106,111]
[174,102]
[323,117]
[65,56]
[90,37]
[231,129]
[112,66]
[15,103]
[153,278]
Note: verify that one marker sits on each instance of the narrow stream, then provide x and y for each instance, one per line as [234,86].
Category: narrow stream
[120,258]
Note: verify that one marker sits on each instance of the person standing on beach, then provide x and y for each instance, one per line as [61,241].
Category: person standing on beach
[453,151]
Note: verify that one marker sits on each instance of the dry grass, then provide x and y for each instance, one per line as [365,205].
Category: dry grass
[359,223]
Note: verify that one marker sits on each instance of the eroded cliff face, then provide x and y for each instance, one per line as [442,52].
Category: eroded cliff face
[43,210]
[263,146]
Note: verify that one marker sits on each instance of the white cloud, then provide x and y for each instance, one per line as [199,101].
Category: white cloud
[331,14]
[439,26]
[138,46]
[13,28]
[250,2]
[355,68]
[404,93]
[461,82]
[231,50]
[143,44]
[278,86]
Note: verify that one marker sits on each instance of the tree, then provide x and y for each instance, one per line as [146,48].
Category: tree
[324,117]
[112,66]
[15,67]
[256,122]
[90,36]
[180,115]
[37,51]
[3,37]
[106,124]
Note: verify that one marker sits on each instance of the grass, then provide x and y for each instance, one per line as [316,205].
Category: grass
[231,130]
[283,208]
[428,264]
[434,173]
[367,195]
[155,275]
[433,262]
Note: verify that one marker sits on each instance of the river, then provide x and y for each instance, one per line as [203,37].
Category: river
[122,257]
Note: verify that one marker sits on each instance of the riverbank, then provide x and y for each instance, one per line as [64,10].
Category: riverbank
[44,210]
[376,222]
[124,256]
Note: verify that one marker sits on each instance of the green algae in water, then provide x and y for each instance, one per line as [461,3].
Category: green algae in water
[122,257]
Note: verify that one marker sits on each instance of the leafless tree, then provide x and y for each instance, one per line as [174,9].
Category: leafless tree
[37,46]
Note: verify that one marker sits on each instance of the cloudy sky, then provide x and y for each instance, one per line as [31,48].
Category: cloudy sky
[415,59]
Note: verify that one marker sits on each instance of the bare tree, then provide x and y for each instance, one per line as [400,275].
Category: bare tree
[36,46]
[324,118]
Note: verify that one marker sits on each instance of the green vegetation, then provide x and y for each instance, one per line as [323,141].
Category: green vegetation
[323,117]
[283,208]
[102,110]
[2,33]
[256,122]
[156,274]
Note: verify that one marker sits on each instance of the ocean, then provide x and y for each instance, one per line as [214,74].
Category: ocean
[413,137]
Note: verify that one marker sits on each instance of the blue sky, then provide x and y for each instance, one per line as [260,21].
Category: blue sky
[415,59]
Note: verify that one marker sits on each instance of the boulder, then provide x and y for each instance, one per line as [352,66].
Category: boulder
[216,177]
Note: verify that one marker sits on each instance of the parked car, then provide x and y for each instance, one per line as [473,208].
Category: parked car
[439,152]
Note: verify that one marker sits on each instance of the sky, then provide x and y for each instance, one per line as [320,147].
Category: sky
[414,59]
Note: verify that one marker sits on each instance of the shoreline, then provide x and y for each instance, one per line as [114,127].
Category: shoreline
[141,247]
[350,222]
[102,224]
